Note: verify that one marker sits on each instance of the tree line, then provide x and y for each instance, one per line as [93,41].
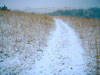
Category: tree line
[4,8]
[90,13]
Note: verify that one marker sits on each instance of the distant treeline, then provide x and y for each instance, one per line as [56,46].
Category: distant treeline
[90,13]
[4,8]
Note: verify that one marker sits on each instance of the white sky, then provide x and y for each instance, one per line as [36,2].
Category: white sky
[21,4]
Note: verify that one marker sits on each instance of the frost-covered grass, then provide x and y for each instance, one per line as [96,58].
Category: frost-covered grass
[89,32]
[63,54]
[22,39]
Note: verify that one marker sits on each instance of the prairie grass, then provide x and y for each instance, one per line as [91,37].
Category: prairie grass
[88,30]
[24,27]
[22,37]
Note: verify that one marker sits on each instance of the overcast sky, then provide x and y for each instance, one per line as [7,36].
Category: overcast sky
[21,4]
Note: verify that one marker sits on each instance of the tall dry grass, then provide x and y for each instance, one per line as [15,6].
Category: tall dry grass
[19,27]
[22,36]
[88,30]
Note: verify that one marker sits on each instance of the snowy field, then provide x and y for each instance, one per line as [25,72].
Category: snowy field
[35,44]
[63,54]
[22,39]
[88,30]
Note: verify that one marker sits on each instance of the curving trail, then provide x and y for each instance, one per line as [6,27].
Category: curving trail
[63,54]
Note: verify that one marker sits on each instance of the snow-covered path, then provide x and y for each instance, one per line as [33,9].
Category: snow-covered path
[63,54]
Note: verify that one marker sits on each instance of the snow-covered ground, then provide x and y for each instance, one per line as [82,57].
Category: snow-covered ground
[63,54]
[31,44]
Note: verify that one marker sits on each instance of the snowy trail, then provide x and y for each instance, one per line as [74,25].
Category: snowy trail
[63,54]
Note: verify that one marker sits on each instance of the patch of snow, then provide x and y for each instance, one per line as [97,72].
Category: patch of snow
[62,56]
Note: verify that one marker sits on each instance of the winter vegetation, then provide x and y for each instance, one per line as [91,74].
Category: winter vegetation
[88,30]
[4,8]
[86,13]
[22,38]
[68,42]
